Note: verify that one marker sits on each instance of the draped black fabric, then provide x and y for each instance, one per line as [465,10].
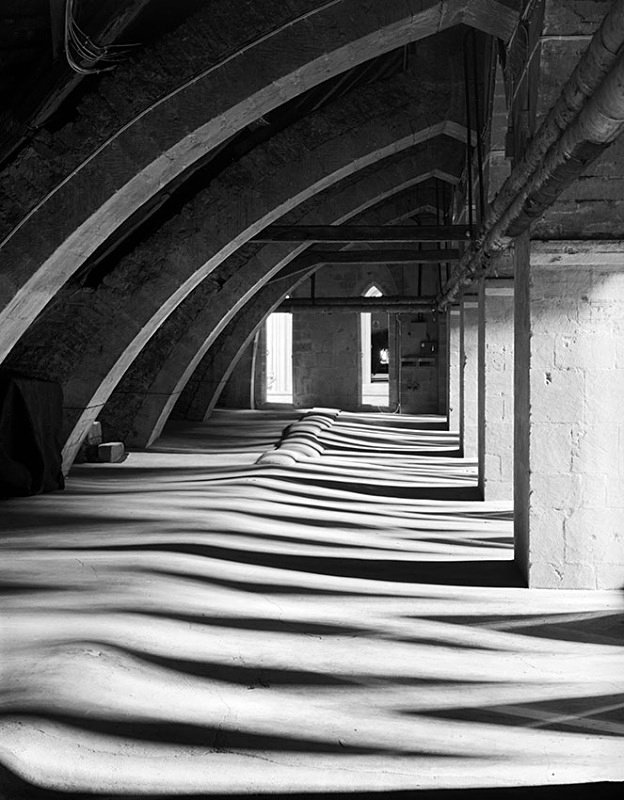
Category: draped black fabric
[31,413]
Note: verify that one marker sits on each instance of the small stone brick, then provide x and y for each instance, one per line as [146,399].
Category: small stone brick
[111,452]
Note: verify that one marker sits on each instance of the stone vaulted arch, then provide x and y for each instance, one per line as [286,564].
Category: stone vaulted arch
[191,245]
[69,223]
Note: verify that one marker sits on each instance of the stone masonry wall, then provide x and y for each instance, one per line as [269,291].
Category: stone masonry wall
[570,463]
[326,359]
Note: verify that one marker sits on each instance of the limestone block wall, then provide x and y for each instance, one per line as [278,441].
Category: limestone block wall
[443,372]
[570,426]
[496,407]
[238,391]
[326,359]
[419,389]
[326,348]
[326,345]
[468,372]
[453,358]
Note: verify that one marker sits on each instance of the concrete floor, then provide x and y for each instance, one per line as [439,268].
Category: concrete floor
[188,623]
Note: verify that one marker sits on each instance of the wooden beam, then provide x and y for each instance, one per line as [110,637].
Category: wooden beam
[313,259]
[341,234]
[391,304]
[432,256]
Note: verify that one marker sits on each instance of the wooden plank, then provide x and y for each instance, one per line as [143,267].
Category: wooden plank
[363,233]
[318,258]
[431,256]
[388,303]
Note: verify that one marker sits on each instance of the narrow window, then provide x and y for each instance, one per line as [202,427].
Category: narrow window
[279,358]
[375,354]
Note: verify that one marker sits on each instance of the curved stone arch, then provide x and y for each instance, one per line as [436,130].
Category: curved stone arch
[230,346]
[202,399]
[95,377]
[169,377]
[166,139]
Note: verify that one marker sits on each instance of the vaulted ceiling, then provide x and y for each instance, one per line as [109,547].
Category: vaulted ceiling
[145,144]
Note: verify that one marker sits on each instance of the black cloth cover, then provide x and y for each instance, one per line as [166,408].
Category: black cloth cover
[31,414]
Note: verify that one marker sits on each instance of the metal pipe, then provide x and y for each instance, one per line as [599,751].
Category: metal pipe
[592,123]
[468,138]
[587,76]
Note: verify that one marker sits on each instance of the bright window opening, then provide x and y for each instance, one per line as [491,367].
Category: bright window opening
[279,387]
[375,354]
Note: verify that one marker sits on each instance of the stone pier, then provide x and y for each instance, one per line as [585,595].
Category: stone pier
[468,376]
[569,431]
[453,360]
[495,435]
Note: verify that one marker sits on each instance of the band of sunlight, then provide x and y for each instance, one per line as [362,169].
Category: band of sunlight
[188,621]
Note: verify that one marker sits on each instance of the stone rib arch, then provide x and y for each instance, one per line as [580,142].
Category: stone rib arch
[85,399]
[160,383]
[165,140]
[92,375]
[153,397]
[221,359]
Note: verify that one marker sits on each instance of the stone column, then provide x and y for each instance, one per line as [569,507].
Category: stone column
[453,328]
[496,418]
[569,433]
[442,366]
[469,356]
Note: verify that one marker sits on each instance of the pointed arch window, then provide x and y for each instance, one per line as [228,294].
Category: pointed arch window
[375,354]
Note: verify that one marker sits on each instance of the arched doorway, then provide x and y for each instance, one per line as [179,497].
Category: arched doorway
[374,348]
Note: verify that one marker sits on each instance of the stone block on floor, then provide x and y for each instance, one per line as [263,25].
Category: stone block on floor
[111,452]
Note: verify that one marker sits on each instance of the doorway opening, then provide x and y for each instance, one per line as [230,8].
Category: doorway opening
[279,382]
[375,354]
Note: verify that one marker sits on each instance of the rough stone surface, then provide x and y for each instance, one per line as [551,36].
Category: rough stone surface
[454,362]
[326,359]
[171,132]
[162,369]
[443,367]
[151,281]
[239,391]
[468,376]
[111,452]
[569,431]
[496,332]
[204,391]
[419,391]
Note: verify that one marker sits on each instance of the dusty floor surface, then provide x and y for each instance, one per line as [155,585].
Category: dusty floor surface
[188,622]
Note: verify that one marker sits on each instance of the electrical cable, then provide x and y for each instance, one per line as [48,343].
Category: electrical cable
[83,53]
